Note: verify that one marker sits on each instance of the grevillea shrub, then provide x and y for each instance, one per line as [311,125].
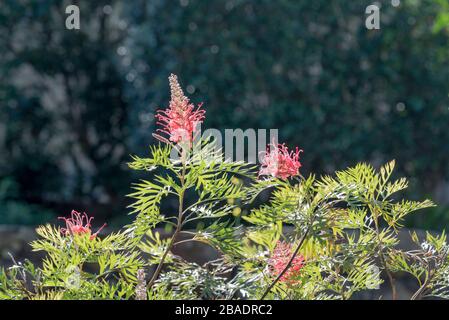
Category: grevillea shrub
[316,238]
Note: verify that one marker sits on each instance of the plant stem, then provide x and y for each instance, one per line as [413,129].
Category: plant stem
[382,260]
[175,234]
[390,278]
[289,264]
[418,294]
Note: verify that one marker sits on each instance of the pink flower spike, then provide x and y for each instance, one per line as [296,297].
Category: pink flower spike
[279,162]
[79,224]
[279,261]
[181,118]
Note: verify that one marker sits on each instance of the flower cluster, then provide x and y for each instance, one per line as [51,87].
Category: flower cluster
[79,224]
[180,120]
[280,163]
[279,260]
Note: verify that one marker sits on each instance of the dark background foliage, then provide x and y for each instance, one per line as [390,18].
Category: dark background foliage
[75,104]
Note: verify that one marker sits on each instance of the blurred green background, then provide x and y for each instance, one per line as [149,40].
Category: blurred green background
[74,104]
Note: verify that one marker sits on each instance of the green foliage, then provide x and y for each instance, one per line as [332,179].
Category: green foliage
[316,238]
[429,264]
[75,267]
[350,222]
[344,226]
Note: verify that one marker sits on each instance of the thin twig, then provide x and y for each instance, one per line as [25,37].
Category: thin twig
[382,259]
[175,234]
[295,253]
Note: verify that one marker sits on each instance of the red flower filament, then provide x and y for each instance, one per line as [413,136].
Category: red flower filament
[180,120]
[279,260]
[79,224]
[280,163]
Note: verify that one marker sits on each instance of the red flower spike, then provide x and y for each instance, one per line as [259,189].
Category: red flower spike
[79,224]
[179,121]
[280,163]
[279,261]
